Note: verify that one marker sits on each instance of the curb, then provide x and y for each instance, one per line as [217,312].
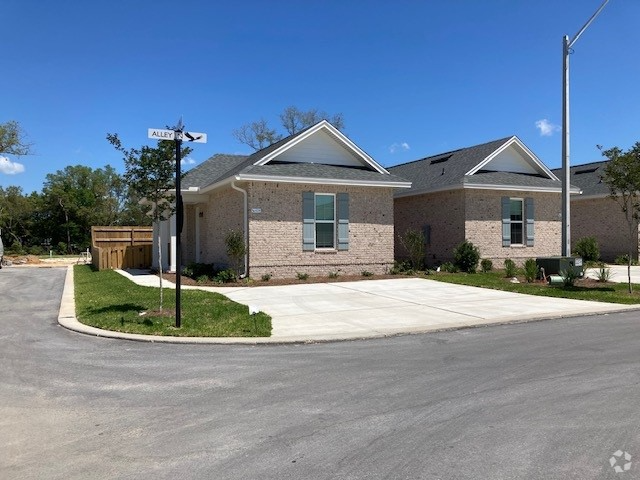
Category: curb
[67,319]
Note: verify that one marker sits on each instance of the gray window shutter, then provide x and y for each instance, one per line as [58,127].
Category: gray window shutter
[308,221]
[426,231]
[506,221]
[530,213]
[343,221]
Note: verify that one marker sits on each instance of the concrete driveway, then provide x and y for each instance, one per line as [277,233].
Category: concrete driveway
[619,273]
[377,308]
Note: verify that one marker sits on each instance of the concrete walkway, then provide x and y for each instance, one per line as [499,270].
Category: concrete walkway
[362,309]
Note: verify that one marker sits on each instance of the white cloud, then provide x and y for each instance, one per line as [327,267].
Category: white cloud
[10,168]
[404,146]
[546,127]
[187,161]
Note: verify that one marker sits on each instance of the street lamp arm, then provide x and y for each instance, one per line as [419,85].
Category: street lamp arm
[586,25]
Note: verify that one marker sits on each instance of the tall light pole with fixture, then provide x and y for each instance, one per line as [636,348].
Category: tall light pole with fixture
[566,186]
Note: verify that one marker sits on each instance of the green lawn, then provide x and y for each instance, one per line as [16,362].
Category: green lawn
[583,290]
[107,300]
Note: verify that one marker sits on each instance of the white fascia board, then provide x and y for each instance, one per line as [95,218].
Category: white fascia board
[336,133]
[592,197]
[521,188]
[320,181]
[532,157]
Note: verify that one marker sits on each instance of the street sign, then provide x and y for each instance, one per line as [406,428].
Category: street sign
[160,134]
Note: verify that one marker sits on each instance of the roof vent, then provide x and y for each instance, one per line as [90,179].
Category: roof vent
[588,170]
[439,160]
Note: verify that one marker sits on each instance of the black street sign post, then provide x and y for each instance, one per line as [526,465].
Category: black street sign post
[177,134]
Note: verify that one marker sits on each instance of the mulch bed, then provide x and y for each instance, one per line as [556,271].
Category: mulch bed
[277,281]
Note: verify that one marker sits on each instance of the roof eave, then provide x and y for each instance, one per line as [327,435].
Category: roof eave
[321,181]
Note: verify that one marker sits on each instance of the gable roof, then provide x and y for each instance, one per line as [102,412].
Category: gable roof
[588,177]
[287,161]
[503,164]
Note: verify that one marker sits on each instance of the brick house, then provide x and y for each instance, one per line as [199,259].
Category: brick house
[595,214]
[498,195]
[312,203]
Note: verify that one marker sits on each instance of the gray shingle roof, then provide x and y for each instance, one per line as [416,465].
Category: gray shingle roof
[315,170]
[587,177]
[447,170]
[222,166]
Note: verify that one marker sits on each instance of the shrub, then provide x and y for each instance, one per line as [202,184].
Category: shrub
[334,274]
[569,277]
[449,267]
[236,248]
[624,260]
[530,270]
[486,265]
[302,276]
[413,241]
[266,277]
[225,276]
[366,273]
[603,274]
[401,267]
[466,257]
[203,279]
[510,269]
[587,248]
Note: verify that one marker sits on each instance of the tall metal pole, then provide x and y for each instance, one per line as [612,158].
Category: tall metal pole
[179,221]
[566,200]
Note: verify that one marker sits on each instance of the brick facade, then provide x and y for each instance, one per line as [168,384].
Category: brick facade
[476,215]
[603,219]
[275,230]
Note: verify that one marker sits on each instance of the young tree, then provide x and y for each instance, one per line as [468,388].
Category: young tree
[150,175]
[258,135]
[622,176]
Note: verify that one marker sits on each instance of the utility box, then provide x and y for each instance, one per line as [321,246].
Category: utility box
[555,265]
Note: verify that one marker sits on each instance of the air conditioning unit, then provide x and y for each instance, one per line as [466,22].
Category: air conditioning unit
[557,265]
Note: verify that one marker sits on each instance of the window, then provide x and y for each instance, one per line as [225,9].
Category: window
[325,216]
[518,222]
[325,221]
[517,230]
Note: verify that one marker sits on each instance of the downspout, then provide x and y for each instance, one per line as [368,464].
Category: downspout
[246,228]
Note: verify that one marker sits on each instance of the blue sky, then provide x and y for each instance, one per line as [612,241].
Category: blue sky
[412,78]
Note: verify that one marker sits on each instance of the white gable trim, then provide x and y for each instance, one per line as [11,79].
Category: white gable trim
[320,181]
[339,136]
[533,160]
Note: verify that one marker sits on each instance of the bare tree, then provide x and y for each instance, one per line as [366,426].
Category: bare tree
[258,135]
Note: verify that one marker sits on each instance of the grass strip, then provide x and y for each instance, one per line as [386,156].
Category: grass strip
[592,291]
[107,300]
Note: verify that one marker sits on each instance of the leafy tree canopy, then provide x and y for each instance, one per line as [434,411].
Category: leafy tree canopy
[13,139]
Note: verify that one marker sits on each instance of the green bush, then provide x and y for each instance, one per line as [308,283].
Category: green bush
[530,270]
[569,277]
[486,265]
[302,276]
[449,267]
[266,277]
[510,269]
[603,274]
[203,279]
[466,257]
[225,276]
[624,260]
[413,241]
[401,267]
[236,248]
[366,273]
[587,248]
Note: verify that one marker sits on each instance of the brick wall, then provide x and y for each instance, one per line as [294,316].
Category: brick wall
[601,218]
[275,234]
[221,214]
[443,211]
[484,225]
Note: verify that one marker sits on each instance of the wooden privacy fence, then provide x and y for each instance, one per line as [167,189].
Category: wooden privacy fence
[121,247]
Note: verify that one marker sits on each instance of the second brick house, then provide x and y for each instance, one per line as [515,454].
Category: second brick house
[498,195]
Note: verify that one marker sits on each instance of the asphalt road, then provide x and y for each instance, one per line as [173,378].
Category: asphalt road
[544,400]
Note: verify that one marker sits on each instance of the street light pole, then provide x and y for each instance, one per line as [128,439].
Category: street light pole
[566,185]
